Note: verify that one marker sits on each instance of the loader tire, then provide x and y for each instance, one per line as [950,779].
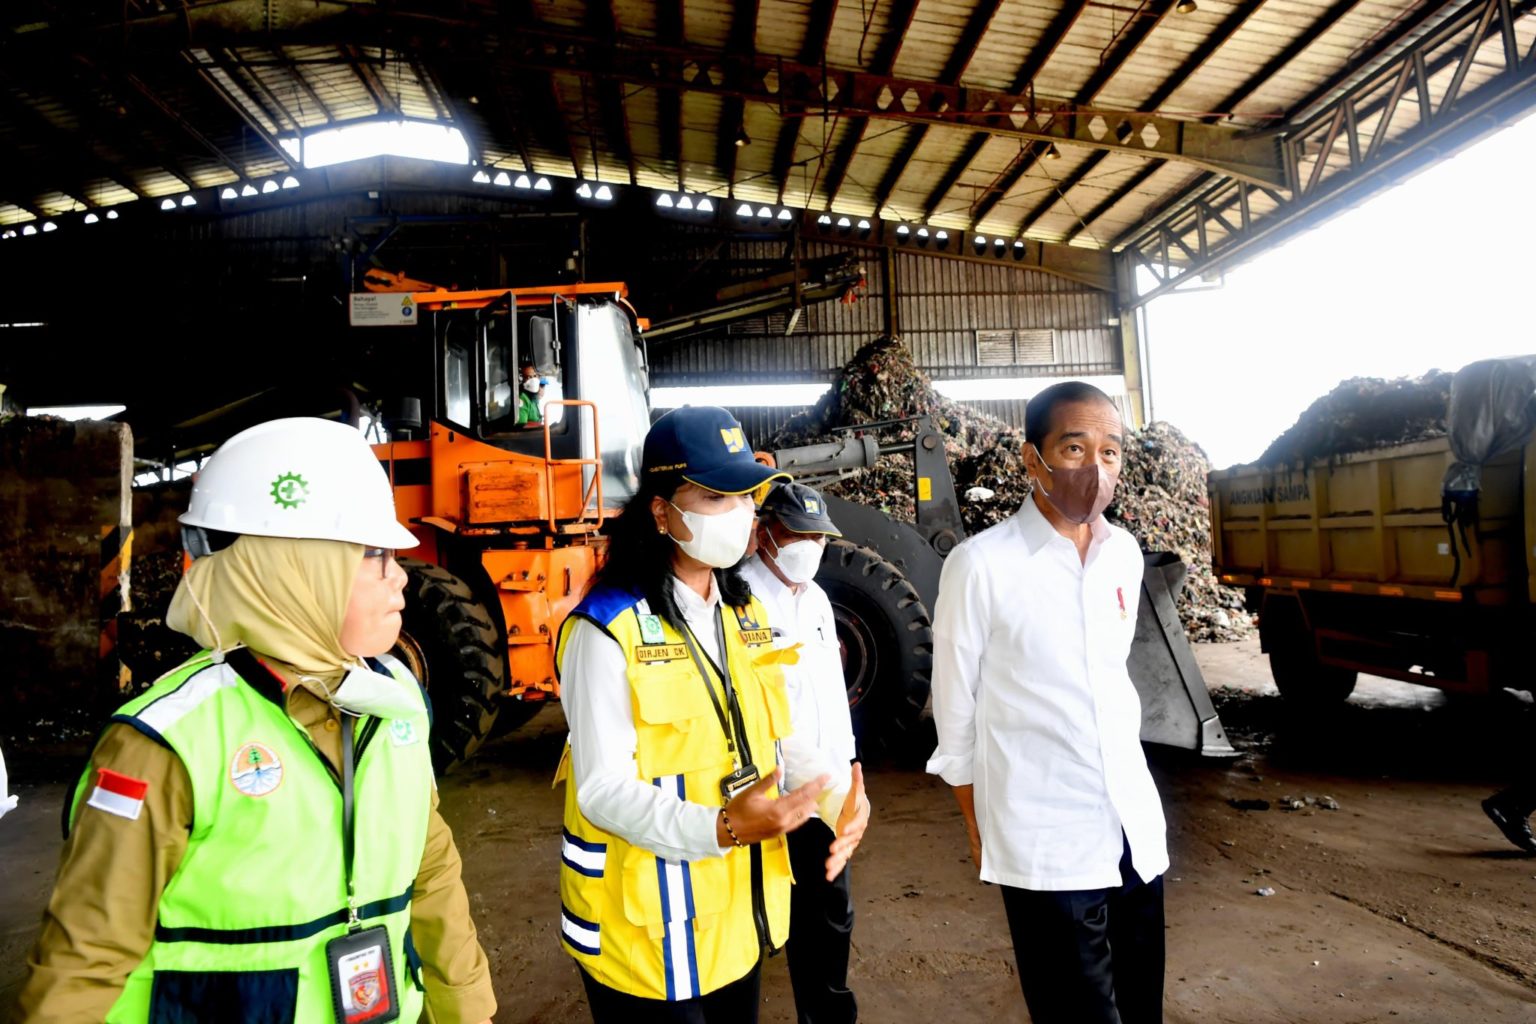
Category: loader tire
[886,636]
[453,647]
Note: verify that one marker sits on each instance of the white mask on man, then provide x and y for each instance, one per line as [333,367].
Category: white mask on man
[798,560]
[532,385]
[718,540]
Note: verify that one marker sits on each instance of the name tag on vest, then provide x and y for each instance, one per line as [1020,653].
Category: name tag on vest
[756,637]
[660,652]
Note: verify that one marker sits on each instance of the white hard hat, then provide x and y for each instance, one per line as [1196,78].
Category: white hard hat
[300,477]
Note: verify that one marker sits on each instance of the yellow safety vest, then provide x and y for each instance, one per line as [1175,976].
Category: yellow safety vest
[673,929]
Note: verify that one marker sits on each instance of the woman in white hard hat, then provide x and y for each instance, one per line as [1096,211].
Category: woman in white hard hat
[674,872]
[256,837]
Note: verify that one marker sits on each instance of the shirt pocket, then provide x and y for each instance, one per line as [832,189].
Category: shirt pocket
[675,723]
[256,997]
[766,668]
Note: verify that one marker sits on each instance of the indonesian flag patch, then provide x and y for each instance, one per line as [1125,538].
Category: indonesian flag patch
[119,794]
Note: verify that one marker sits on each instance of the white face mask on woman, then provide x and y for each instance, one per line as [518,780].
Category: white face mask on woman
[798,560]
[718,540]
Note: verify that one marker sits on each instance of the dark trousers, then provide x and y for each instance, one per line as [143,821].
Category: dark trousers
[820,929]
[1090,956]
[735,1003]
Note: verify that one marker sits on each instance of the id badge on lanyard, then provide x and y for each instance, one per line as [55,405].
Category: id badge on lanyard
[359,964]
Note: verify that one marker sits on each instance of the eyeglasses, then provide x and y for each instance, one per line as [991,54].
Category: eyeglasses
[384,555]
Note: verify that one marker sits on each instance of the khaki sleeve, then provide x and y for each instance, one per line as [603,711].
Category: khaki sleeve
[100,920]
[454,968]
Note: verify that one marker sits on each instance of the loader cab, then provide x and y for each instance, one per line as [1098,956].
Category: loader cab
[582,345]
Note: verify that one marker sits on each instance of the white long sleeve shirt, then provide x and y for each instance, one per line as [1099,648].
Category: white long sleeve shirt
[822,740]
[595,691]
[1035,708]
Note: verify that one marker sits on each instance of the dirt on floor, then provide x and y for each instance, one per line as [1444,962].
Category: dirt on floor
[1402,905]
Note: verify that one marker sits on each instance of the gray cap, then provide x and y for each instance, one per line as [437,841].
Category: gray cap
[800,509]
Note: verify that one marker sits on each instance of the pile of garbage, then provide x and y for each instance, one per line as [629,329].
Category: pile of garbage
[1161,498]
[1364,413]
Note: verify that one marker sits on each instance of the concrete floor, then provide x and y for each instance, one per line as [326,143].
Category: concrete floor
[1403,905]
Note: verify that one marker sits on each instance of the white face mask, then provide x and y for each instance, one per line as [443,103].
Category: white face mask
[531,385]
[799,560]
[366,692]
[718,540]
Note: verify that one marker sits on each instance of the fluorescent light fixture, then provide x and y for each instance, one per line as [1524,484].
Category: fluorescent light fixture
[229,193]
[784,214]
[684,203]
[505,180]
[664,200]
[523,181]
[188,200]
[268,187]
[8,234]
[76,412]
[167,204]
[48,226]
[704,205]
[30,229]
[739,395]
[824,220]
[542,185]
[764,212]
[605,194]
[111,215]
[744,210]
[1019,244]
[844,222]
[863,224]
[481,178]
[248,190]
[922,232]
[584,190]
[941,237]
[421,140]
[91,218]
[903,230]
[290,182]
[981,239]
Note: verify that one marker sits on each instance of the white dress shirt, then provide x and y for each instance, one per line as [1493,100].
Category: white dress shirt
[822,740]
[1035,708]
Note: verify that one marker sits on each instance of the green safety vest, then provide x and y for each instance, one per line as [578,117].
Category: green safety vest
[243,923]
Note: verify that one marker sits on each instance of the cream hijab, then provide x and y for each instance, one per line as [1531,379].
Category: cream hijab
[285,599]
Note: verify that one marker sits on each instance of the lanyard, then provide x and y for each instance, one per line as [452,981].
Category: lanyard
[735,728]
[348,839]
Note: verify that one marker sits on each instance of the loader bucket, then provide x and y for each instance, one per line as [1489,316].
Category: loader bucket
[1176,708]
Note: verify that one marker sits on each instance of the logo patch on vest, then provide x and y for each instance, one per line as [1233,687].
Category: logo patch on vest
[402,733]
[256,771]
[660,652]
[744,618]
[756,637]
[650,629]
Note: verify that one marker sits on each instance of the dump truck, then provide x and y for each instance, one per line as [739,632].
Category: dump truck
[1413,561]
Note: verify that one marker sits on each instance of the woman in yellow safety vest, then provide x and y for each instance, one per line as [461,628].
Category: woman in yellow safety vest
[674,871]
[256,837]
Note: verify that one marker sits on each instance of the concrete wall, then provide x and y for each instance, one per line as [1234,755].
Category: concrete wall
[64,517]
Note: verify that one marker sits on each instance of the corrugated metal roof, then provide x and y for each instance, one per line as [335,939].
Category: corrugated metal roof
[642,90]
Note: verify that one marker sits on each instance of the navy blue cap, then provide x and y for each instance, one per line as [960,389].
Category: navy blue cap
[800,509]
[705,445]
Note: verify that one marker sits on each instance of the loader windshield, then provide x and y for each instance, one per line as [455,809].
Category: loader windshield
[613,374]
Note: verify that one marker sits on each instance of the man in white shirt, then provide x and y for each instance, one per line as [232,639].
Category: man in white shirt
[1038,725]
[792,531]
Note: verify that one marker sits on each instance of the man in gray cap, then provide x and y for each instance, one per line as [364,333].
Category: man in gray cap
[792,532]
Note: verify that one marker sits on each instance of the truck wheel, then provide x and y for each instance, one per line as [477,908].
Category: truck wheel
[1301,679]
[886,638]
[449,642]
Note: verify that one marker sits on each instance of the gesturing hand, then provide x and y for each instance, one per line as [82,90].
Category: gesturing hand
[850,825]
[755,815]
